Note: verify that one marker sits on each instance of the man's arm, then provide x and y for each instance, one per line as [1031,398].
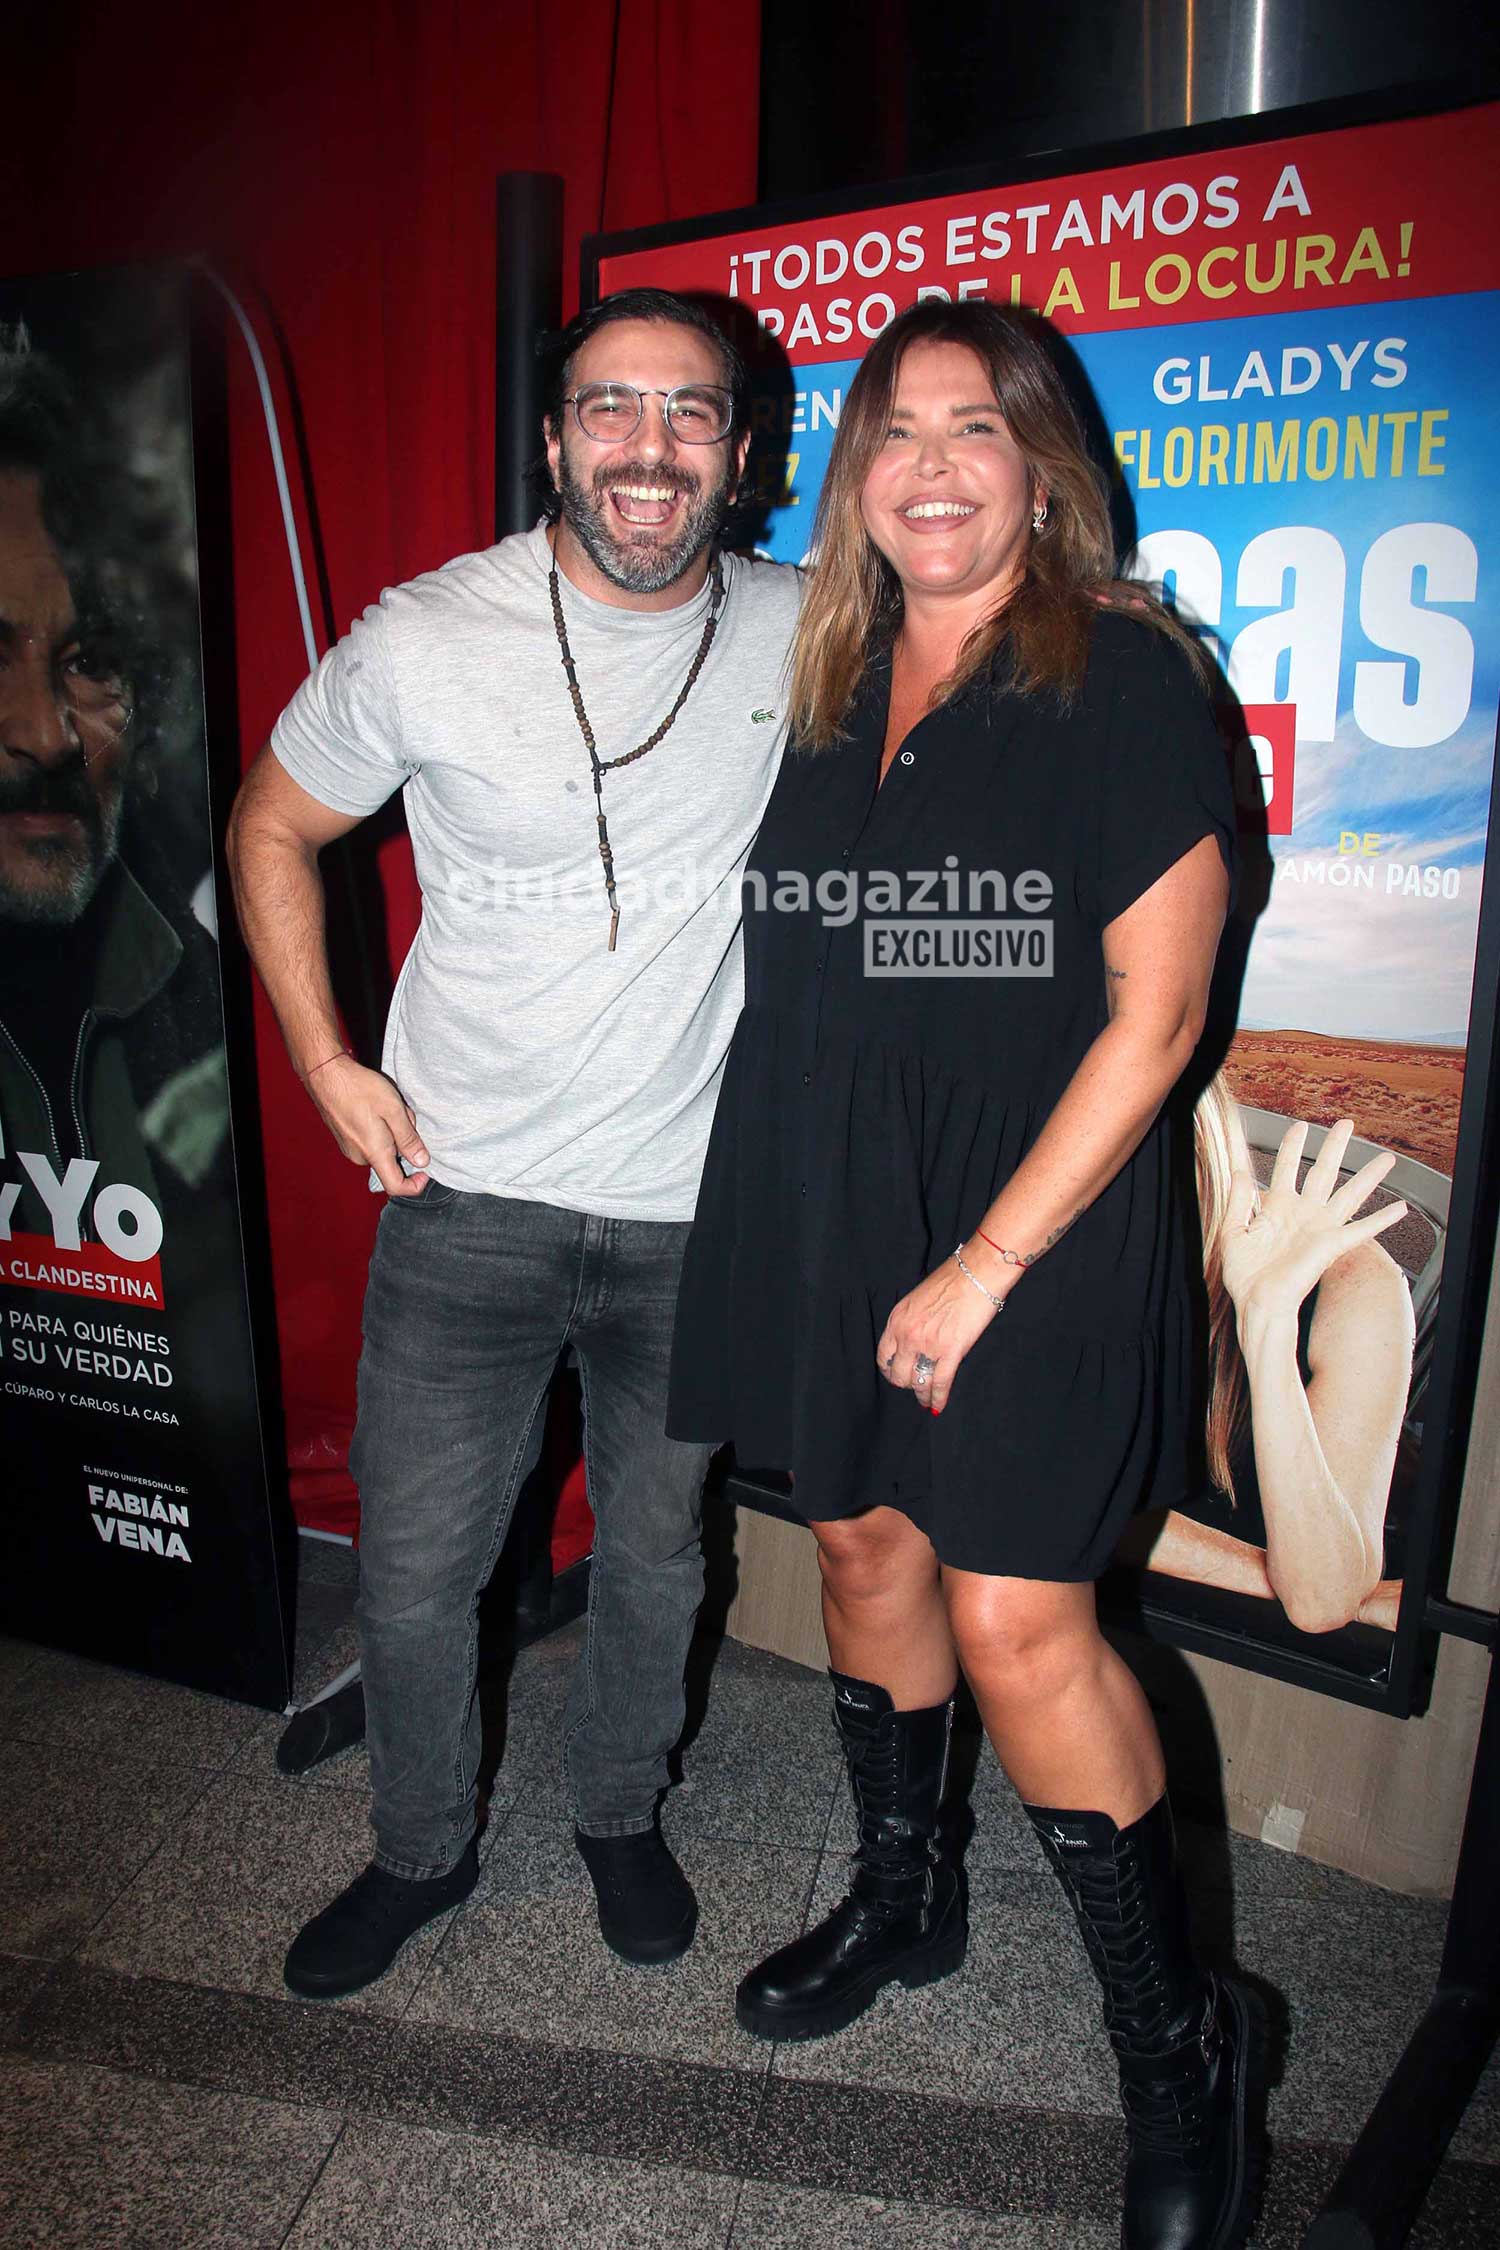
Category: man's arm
[276,832]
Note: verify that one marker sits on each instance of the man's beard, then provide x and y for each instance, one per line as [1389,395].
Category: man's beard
[641,564]
[61,874]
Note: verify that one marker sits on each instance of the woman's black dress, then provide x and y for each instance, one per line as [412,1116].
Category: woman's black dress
[867,1120]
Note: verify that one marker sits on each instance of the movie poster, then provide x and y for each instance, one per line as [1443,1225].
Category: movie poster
[1287,353]
[138,1526]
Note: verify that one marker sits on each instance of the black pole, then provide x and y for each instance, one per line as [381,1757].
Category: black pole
[528,301]
[1391,2166]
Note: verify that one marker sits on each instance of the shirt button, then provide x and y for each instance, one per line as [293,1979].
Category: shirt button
[804,1187]
[818,964]
[807,1077]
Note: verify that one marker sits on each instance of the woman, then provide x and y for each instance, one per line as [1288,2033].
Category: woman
[988,729]
[1310,1357]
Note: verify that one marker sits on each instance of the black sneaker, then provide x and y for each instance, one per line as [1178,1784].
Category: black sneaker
[355,1940]
[647,1911]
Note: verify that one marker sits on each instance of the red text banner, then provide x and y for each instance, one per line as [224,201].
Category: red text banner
[1363,216]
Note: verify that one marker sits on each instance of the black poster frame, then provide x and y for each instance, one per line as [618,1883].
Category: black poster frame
[1400,1686]
[168,1639]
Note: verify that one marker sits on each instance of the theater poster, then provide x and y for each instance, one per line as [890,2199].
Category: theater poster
[1288,343]
[137,1522]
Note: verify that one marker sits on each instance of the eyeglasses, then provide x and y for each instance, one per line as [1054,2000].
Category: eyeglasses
[695,413]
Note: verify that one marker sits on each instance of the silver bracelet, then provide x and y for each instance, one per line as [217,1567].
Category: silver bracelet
[997,1302]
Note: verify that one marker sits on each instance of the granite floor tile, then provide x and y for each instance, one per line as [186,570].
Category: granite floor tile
[69,1703]
[892,2145]
[322,1612]
[326,1562]
[20,1981]
[784,2218]
[594,2102]
[1346,1984]
[527,1956]
[92,2158]
[232,1886]
[1356,1979]
[1019,2023]
[1459,2214]
[434,2191]
[1002,1836]
[764,1766]
[16,1660]
[76,1829]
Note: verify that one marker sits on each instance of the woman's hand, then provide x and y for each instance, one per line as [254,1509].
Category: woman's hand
[939,1321]
[1274,1255]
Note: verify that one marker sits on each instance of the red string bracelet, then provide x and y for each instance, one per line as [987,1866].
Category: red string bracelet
[327,1059]
[1011,1257]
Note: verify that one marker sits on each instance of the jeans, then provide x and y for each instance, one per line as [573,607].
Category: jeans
[471,1300]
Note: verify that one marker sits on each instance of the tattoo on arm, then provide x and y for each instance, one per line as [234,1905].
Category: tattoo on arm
[1119,975]
[1029,1257]
[1058,1232]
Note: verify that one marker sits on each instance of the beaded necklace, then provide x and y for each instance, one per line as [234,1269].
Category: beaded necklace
[602,766]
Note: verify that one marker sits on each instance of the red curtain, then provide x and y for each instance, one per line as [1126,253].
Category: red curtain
[337,163]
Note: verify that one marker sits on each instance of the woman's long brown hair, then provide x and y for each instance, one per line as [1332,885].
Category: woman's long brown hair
[1218,1146]
[853,604]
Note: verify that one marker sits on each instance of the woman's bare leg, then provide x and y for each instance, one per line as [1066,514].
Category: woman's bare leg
[883,1607]
[1065,1714]
[895,1671]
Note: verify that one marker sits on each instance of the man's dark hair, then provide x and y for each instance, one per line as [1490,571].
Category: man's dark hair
[661,307]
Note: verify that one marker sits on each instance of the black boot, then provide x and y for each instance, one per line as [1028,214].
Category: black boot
[355,1940]
[1189,2044]
[647,1910]
[905,1914]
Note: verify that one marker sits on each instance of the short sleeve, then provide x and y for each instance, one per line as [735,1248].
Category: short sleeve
[340,736]
[1164,781]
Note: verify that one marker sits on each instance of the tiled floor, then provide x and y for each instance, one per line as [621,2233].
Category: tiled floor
[512,2083]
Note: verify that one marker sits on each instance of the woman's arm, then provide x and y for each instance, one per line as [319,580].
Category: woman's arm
[1324,1454]
[1180,1547]
[1158,959]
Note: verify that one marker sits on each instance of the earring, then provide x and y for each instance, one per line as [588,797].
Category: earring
[1039,518]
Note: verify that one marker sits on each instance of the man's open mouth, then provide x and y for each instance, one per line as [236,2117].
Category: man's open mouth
[644,504]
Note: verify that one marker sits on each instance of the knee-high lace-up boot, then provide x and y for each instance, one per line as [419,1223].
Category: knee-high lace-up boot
[1189,2043]
[905,1914]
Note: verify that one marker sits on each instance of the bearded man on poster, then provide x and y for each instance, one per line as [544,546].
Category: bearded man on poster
[111,1032]
[585,722]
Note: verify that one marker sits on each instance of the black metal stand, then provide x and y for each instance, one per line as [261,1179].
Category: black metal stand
[528,303]
[1392,2165]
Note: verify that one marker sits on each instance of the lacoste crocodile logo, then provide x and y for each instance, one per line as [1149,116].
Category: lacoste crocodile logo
[759,718]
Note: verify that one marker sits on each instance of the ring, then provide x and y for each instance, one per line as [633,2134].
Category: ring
[923,1371]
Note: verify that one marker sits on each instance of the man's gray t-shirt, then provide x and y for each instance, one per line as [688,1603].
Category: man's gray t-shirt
[538,1063]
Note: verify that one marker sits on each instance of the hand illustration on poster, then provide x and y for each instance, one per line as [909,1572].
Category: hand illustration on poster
[1310,1348]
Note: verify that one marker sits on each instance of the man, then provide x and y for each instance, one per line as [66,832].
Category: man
[111,1040]
[584,720]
